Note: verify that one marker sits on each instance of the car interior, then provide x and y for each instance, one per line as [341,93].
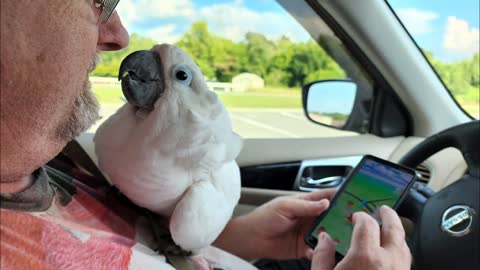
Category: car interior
[400,110]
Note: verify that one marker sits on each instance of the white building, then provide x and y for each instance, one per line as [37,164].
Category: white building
[244,81]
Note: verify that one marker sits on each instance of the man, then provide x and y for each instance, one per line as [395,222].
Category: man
[57,217]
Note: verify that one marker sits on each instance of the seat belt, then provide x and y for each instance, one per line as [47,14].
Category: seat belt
[75,152]
[180,262]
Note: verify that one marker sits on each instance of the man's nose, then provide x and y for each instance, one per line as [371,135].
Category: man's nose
[112,36]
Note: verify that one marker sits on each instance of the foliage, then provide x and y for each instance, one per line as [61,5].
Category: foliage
[110,63]
[462,78]
[281,62]
[217,57]
[284,63]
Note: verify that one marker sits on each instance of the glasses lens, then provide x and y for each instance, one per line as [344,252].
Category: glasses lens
[108,9]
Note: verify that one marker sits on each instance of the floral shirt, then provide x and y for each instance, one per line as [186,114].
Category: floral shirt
[69,219]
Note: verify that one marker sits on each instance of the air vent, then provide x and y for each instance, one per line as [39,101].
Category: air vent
[423,173]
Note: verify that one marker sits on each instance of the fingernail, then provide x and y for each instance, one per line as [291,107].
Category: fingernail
[355,217]
[384,207]
[324,236]
[322,202]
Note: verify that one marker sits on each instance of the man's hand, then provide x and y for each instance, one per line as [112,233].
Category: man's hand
[372,247]
[276,229]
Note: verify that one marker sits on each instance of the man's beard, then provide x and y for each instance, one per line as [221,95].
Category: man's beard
[85,110]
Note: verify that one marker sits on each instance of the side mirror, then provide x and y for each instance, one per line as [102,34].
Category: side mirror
[330,102]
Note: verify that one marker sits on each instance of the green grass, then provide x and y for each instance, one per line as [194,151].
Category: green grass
[256,100]
[108,94]
[470,101]
[473,110]
[278,91]
[268,99]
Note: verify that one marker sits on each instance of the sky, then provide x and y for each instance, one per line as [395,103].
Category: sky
[331,97]
[448,28]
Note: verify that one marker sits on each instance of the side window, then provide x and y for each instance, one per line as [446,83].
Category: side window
[256,55]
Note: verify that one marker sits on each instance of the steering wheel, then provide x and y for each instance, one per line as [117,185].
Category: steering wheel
[447,233]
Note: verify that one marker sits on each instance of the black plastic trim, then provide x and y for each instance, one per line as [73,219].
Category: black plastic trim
[277,176]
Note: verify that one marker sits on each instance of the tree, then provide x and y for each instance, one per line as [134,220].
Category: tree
[309,62]
[284,62]
[474,67]
[260,52]
[197,42]
[111,60]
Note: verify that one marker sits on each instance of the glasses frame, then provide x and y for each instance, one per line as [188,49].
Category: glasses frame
[107,8]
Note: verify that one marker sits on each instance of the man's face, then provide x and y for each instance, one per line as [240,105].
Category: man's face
[47,50]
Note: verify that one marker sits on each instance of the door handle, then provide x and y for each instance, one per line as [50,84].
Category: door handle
[325,182]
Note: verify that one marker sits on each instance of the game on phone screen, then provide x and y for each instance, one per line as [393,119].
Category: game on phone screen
[374,184]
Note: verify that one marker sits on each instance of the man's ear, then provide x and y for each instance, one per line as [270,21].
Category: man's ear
[234,146]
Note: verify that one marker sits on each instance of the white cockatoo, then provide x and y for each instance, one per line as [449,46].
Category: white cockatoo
[171,148]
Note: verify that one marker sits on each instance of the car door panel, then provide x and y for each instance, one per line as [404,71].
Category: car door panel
[443,168]
[270,151]
[288,156]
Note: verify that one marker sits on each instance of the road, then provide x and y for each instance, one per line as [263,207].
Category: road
[261,123]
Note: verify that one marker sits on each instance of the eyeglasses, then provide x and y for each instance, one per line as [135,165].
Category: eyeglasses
[107,6]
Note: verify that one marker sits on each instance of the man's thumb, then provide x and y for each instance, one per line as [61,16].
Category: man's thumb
[324,253]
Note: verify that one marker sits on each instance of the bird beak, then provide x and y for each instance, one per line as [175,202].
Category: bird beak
[141,75]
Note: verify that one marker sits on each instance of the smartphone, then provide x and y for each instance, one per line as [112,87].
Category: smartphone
[373,183]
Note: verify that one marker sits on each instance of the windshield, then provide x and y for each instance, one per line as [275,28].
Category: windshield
[448,34]
[255,55]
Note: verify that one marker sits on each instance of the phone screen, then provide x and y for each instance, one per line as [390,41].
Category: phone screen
[372,184]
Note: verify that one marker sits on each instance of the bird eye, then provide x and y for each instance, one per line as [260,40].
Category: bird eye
[182,74]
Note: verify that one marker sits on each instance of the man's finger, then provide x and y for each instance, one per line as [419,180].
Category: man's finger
[296,208]
[366,233]
[324,253]
[393,234]
[318,195]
